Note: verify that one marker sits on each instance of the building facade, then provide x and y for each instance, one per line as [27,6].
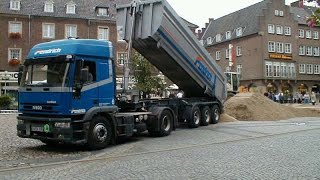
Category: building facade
[25,23]
[270,45]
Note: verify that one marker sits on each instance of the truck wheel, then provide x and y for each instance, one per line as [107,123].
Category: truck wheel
[99,133]
[205,116]
[166,120]
[215,114]
[194,120]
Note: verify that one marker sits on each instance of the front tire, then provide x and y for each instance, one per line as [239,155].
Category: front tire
[100,133]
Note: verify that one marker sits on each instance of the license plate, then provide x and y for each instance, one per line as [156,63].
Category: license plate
[37,128]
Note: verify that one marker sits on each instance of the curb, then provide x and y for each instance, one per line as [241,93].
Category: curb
[8,111]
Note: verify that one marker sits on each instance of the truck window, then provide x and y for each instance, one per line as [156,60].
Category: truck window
[91,66]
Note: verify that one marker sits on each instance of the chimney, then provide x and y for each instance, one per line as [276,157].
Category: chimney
[211,20]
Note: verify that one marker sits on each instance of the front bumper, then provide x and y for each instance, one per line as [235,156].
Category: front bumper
[44,128]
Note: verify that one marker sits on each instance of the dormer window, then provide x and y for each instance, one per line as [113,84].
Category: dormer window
[218,37]
[239,32]
[15,4]
[102,11]
[48,6]
[228,35]
[209,40]
[71,8]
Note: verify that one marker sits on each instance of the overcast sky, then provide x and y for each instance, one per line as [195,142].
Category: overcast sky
[199,11]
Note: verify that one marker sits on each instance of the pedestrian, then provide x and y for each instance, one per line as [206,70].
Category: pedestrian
[180,94]
[313,98]
[306,98]
[318,96]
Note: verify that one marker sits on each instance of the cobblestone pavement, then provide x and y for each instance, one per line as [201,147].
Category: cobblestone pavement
[239,150]
[15,151]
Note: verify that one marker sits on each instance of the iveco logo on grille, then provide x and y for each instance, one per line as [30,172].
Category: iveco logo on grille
[37,107]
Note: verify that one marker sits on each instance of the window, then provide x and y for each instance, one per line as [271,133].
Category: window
[315,35]
[287,31]
[309,51]
[218,55]
[239,68]
[48,6]
[270,28]
[48,30]
[316,51]
[302,68]
[284,70]
[239,51]
[271,46]
[301,33]
[227,53]
[309,69]
[228,35]
[268,69]
[103,33]
[14,53]
[120,33]
[288,48]
[316,69]
[71,8]
[239,32]
[281,13]
[279,29]
[15,4]
[218,37]
[276,69]
[302,50]
[70,30]
[308,34]
[122,58]
[279,47]
[291,70]
[15,27]
[209,40]
[103,11]
[276,12]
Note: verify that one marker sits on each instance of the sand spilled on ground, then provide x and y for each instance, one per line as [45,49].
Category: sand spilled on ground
[257,107]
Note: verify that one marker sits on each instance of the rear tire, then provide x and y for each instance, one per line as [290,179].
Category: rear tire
[166,123]
[205,116]
[195,117]
[215,114]
[100,133]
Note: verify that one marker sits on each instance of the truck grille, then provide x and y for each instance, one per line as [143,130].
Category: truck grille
[30,107]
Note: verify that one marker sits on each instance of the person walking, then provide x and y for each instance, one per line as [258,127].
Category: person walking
[313,98]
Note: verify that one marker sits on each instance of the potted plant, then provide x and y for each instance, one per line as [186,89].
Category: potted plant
[14,62]
[5,102]
[15,35]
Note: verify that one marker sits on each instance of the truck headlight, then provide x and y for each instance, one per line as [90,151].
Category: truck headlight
[62,124]
[20,121]
[145,117]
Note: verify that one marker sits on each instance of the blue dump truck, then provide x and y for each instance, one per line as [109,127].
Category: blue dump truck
[68,92]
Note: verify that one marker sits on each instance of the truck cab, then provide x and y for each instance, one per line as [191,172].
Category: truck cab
[61,82]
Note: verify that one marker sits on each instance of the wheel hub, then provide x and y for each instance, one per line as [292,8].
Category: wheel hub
[100,132]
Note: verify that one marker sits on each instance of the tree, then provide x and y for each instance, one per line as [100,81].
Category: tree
[144,76]
[314,20]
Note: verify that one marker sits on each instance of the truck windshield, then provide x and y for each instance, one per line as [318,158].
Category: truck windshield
[47,74]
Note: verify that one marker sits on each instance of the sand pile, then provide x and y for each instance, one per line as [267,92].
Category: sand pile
[255,106]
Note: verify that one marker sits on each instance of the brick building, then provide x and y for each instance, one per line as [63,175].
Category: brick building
[269,44]
[28,22]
